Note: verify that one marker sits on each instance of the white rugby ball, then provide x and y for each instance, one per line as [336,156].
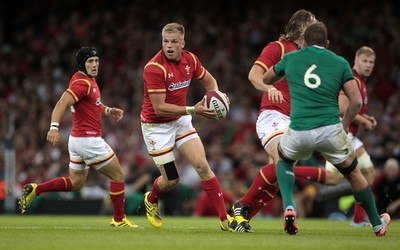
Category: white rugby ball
[217,100]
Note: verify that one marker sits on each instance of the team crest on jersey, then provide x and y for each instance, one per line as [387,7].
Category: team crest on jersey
[152,143]
[98,101]
[170,75]
[179,85]
[94,90]
[187,70]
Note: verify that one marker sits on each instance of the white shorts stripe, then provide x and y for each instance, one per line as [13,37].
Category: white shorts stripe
[161,138]
[271,124]
[89,151]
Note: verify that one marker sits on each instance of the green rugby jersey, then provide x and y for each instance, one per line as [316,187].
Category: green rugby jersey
[315,76]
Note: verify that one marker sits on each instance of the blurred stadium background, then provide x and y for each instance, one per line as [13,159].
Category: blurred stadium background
[38,41]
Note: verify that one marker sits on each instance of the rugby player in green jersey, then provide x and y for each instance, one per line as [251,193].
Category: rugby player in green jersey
[315,76]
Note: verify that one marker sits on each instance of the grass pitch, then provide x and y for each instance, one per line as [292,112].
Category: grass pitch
[92,232]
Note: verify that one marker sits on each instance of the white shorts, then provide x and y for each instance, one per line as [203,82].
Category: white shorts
[161,138]
[364,161]
[85,152]
[331,141]
[271,124]
[355,142]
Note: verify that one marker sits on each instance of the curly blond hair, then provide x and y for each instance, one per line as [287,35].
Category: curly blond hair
[297,25]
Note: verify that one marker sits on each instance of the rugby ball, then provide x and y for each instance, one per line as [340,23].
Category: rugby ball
[218,101]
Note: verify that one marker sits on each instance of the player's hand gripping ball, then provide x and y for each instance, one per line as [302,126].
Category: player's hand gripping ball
[219,102]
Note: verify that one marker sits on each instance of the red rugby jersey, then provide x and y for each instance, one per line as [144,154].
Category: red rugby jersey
[353,128]
[271,55]
[87,111]
[162,76]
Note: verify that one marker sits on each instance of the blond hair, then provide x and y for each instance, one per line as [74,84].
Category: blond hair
[173,28]
[365,50]
[297,25]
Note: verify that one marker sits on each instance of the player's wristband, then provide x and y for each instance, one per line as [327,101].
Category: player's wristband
[107,111]
[54,126]
[271,89]
[190,110]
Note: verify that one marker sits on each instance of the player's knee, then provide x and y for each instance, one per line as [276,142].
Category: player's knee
[333,178]
[77,184]
[346,171]
[369,174]
[171,173]
[118,174]
[118,177]
[203,169]
[114,172]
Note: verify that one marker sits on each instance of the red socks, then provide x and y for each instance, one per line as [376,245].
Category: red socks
[155,193]
[315,174]
[117,195]
[262,200]
[260,183]
[214,193]
[359,213]
[268,173]
[261,190]
[56,184]
[310,173]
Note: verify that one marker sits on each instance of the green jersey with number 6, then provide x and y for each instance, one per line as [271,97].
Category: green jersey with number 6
[315,76]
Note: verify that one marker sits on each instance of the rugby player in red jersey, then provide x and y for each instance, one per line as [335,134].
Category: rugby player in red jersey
[87,149]
[167,121]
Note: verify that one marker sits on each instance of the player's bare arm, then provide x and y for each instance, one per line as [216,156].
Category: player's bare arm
[351,91]
[115,113]
[65,101]
[343,103]
[361,120]
[274,95]
[209,82]
[163,109]
[372,120]
[270,77]
[256,78]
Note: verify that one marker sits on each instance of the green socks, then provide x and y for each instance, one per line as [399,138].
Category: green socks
[285,176]
[365,199]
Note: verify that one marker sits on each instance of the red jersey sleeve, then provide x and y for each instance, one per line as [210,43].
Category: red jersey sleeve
[271,55]
[79,88]
[154,76]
